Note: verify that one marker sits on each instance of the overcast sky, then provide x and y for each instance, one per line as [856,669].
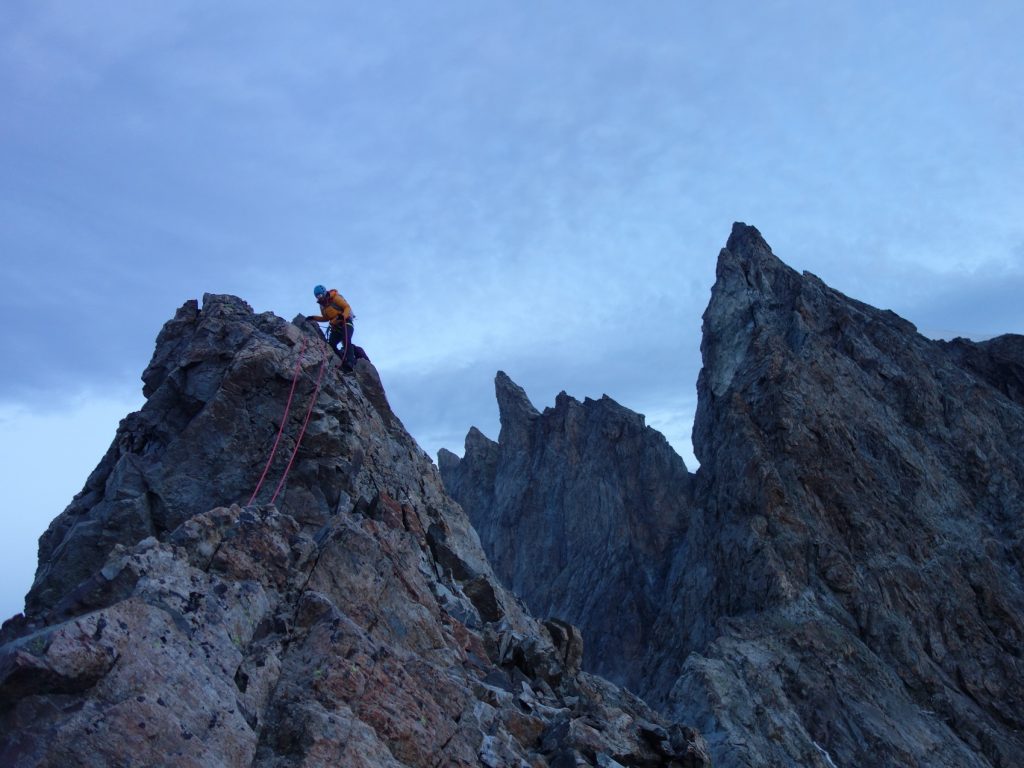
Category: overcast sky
[541,188]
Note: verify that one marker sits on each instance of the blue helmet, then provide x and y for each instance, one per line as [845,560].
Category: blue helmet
[319,291]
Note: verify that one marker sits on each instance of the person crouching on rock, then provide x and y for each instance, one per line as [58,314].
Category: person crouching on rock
[336,311]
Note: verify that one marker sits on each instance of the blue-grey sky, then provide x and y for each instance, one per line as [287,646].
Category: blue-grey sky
[537,187]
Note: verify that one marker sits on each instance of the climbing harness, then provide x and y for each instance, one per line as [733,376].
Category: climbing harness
[284,420]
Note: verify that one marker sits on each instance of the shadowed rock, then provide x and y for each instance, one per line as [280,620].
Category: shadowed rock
[576,507]
[844,583]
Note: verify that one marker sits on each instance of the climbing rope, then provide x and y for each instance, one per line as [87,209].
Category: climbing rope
[284,419]
[305,423]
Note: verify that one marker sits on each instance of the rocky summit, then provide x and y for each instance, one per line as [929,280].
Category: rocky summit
[840,583]
[265,570]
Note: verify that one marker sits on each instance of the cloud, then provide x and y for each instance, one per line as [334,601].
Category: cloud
[539,188]
[652,370]
[536,187]
[49,44]
[975,306]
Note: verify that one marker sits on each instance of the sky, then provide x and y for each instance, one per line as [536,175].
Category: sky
[539,188]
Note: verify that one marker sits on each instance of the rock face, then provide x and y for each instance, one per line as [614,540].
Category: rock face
[577,508]
[845,582]
[354,622]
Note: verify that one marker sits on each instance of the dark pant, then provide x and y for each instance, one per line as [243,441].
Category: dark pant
[342,334]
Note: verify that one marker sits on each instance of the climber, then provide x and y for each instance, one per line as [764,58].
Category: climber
[336,311]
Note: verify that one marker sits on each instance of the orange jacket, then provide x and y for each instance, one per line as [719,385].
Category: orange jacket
[334,307]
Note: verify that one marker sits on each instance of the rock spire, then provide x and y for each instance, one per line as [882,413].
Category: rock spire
[842,580]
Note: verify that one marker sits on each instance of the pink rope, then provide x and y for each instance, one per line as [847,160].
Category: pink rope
[284,419]
[302,432]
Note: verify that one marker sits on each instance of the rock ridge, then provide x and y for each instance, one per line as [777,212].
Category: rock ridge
[842,581]
[354,622]
[570,503]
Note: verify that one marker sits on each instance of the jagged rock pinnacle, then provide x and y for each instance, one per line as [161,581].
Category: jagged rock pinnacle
[515,410]
[750,280]
[844,583]
[746,242]
[576,506]
[514,406]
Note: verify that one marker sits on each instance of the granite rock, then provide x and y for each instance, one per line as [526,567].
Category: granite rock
[179,619]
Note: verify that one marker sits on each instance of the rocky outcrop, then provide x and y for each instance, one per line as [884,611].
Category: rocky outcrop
[848,585]
[354,622]
[577,508]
